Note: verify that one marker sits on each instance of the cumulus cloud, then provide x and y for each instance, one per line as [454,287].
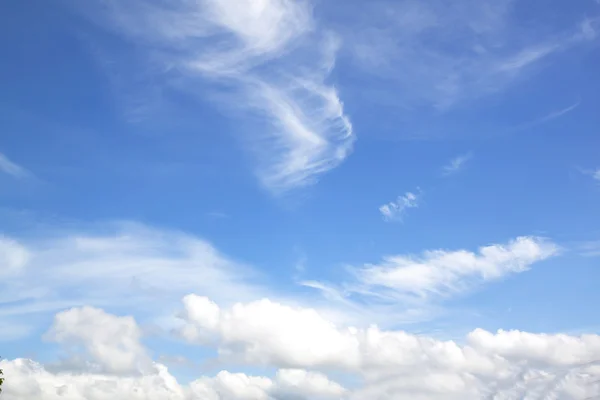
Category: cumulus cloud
[30,380]
[270,58]
[112,342]
[443,273]
[384,364]
[456,164]
[271,333]
[395,210]
[125,371]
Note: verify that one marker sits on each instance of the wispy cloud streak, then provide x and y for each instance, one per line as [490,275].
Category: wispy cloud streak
[272,59]
[441,54]
[456,164]
[443,273]
[10,168]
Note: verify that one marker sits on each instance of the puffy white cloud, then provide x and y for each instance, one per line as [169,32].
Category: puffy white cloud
[299,383]
[397,364]
[111,341]
[384,365]
[269,333]
[228,385]
[556,349]
[442,272]
[394,211]
[28,380]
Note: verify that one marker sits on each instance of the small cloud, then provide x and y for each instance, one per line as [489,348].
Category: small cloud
[596,174]
[394,211]
[10,168]
[456,164]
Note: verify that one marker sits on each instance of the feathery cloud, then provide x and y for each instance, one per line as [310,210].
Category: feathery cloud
[444,273]
[12,169]
[456,164]
[440,54]
[269,58]
[120,264]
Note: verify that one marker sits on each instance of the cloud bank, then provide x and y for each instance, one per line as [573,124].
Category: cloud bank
[301,344]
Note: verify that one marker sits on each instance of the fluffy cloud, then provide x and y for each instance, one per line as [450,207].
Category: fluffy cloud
[271,333]
[111,341]
[397,364]
[394,211]
[29,380]
[385,365]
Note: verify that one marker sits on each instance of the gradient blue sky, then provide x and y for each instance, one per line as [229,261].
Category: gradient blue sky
[303,148]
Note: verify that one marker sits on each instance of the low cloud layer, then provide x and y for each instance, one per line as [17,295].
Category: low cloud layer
[304,347]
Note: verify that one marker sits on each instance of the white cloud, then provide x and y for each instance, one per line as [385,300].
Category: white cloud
[437,54]
[385,364]
[274,333]
[30,380]
[12,169]
[395,210]
[111,341]
[456,164]
[443,273]
[397,364]
[121,264]
[274,60]
[113,344]
[596,174]
[299,383]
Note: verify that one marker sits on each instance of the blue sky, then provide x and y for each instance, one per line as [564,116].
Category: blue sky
[430,168]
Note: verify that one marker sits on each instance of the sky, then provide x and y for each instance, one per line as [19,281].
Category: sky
[299,199]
